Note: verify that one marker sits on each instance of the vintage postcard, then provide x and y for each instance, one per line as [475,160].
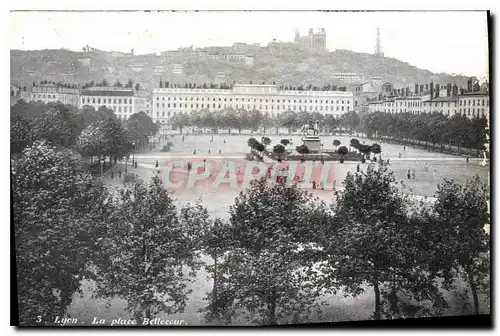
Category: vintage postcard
[318,167]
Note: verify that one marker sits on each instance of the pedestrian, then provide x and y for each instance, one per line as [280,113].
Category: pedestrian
[112,175]
[408,174]
[357,168]
[322,185]
[189,165]
[426,167]
[209,151]
[119,174]
[219,151]
[387,161]
[204,162]
[467,159]
[404,148]
[314,184]
[194,152]
[399,155]
[413,174]
[224,140]
[334,184]
[135,164]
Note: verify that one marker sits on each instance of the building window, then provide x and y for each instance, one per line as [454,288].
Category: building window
[119,109]
[163,105]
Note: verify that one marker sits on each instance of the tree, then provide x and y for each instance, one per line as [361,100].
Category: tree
[104,139]
[20,134]
[57,125]
[180,120]
[267,266]
[350,120]
[375,243]
[285,142]
[151,254]
[118,84]
[58,213]
[457,235]
[216,238]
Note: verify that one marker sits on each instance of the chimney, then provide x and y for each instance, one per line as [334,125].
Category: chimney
[469,85]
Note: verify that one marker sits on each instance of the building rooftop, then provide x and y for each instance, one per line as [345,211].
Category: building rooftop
[443,99]
[476,93]
[107,92]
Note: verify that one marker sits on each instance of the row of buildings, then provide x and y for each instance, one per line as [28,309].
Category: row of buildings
[441,99]
[163,103]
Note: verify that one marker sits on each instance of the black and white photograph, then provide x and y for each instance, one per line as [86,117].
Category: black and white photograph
[244,168]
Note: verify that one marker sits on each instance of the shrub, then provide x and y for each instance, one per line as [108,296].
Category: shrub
[302,149]
[343,150]
[279,149]
[285,142]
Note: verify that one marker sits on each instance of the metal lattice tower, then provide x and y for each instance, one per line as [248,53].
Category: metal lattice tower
[378,47]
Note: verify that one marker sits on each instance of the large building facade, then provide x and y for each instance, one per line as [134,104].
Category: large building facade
[168,102]
[120,100]
[470,104]
[54,92]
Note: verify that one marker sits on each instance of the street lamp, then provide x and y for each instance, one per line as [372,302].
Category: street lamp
[102,166]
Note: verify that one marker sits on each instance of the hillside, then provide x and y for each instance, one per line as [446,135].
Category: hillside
[282,63]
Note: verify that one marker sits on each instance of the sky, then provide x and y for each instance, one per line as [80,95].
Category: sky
[451,42]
